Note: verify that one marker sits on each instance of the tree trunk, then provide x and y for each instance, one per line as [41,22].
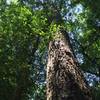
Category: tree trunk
[65,80]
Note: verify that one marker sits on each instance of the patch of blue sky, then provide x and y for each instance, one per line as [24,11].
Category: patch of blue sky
[91,78]
[9,1]
[78,9]
[71,15]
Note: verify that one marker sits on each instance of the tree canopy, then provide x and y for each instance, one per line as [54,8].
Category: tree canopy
[27,26]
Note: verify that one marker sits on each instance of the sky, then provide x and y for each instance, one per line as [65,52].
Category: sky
[8,1]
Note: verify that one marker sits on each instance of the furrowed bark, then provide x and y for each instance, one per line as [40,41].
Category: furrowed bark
[65,80]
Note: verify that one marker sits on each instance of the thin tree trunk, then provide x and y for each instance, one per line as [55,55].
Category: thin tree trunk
[65,81]
[23,77]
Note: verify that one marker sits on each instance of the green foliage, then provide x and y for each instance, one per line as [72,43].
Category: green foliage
[89,40]
[26,27]
[19,29]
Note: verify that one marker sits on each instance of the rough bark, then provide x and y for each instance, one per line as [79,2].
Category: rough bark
[65,80]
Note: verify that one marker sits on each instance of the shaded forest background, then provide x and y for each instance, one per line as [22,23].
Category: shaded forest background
[27,26]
